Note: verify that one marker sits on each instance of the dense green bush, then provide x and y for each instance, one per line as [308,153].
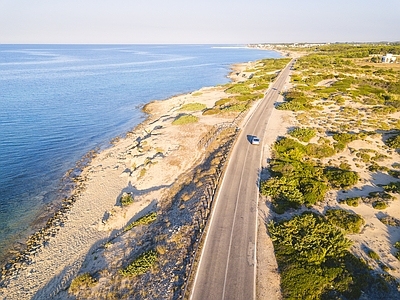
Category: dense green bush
[314,261]
[394,142]
[289,148]
[284,192]
[294,183]
[339,178]
[309,238]
[296,100]
[319,151]
[349,222]
[343,139]
[353,201]
[397,246]
[303,134]
[394,173]
[141,264]
[379,204]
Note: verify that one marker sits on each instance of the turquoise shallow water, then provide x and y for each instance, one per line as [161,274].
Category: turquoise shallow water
[57,102]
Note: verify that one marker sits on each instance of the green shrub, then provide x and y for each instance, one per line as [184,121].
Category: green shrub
[236,107]
[82,281]
[372,254]
[349,222]
[145,220]
[339,178]
[394,142]
[319,151]
[239,88]
[345,138]
[394,173]
[365,157]
[303,134]
[284,192]
[185,119]
[314,261]
[392,187]
[193,107]
[126,199]
[289,148]
[379,205]
[396,165]
[211,111]
[354,201]
[313,190]
[223,102]
[308,238]
[374,167]
[141,264]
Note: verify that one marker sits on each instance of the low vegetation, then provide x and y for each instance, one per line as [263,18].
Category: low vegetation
[314,260]
[126,199]
[297,180]
[141,264]
[185,119]
[82,281]
[352,201]
[145,220]
[349,222]
[193,107]
[303,134]
[341,100]
[243,94]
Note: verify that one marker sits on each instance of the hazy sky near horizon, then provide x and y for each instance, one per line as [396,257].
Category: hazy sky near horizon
[206,21]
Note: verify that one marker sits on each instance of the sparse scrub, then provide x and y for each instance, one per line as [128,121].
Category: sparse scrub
[83,281]
[193,107]
[126,199]
[185,119]
[145,220]
[392,187]
[394,142]
[211,111]
[372,254]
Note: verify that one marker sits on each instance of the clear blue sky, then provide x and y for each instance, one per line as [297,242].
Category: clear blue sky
[200,21]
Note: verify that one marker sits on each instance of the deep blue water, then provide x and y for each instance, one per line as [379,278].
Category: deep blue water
[57,102]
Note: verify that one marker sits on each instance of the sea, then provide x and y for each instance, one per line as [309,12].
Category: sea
[59,102]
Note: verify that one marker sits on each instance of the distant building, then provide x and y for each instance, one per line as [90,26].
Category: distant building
[388,58]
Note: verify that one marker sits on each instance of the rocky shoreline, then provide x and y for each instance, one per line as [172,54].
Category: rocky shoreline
[75,184]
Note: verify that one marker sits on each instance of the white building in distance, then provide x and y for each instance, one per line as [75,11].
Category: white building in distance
[388,58]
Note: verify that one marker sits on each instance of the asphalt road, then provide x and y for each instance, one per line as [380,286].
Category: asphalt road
[227,266]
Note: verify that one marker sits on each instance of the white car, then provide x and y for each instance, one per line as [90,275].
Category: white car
[255,140]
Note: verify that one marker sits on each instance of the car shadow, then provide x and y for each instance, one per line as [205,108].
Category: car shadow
[250,137]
